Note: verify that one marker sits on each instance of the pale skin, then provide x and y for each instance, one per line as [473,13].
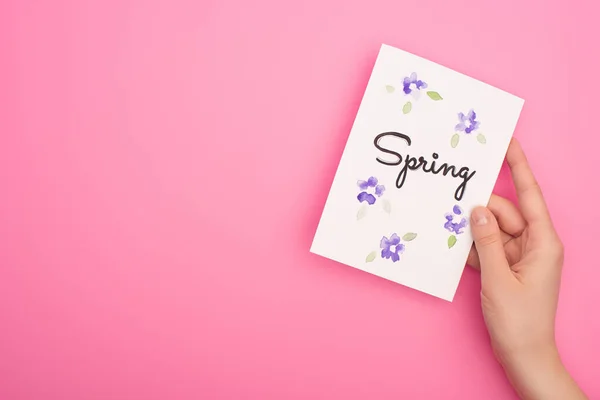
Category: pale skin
[520,257]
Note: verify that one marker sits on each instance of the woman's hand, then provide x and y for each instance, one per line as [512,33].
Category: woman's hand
[520,256]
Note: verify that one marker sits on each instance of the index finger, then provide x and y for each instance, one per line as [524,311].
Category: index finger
[529,193]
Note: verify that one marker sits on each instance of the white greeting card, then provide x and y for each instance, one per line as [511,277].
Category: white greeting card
[425,149]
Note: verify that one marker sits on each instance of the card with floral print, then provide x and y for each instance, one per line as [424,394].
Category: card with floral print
[425,148]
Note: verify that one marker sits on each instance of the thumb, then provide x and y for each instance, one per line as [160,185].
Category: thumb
[484,227]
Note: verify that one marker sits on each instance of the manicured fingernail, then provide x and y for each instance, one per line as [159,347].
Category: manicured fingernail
[480,216]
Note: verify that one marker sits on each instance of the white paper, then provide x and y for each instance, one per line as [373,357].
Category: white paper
[428,113]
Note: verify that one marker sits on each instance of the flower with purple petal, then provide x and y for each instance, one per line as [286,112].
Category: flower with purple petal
[369,189]
[461,222]
[391,248]
[467,123]
[412,85]
[455,223]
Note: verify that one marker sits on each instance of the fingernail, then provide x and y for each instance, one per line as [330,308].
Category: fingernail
[479,216]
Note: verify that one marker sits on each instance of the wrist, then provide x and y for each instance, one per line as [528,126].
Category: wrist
[541,355]
[538,373]
[531,367]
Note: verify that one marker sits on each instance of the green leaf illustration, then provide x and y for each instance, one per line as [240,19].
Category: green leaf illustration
[454,140]
[409,236]
[451,241]
[390,88]
[434,96]
[362,212]
[387,206]
[407,107]
[371,256]
[481,138]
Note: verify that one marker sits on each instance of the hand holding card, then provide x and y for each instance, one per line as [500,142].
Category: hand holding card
[425,148]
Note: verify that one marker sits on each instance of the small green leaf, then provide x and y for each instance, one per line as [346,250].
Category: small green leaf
[409,236]
[451,241]
[454,140]
[390,88]
[481,138]
[362,212]
[371,256]
[434,96]
[387,206]
[407,107]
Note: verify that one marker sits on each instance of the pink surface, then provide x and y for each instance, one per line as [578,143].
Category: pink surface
[163,167]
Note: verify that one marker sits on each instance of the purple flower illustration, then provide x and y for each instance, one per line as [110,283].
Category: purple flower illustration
[455,227]
[391,248]
[369,189]
[455,223]
[413,86]
[468,123]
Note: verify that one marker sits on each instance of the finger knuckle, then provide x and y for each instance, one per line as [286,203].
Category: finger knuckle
[559,249]
[534,186]
[489,239]
[554,248]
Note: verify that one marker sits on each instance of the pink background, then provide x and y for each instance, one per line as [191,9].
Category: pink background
[164,164]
